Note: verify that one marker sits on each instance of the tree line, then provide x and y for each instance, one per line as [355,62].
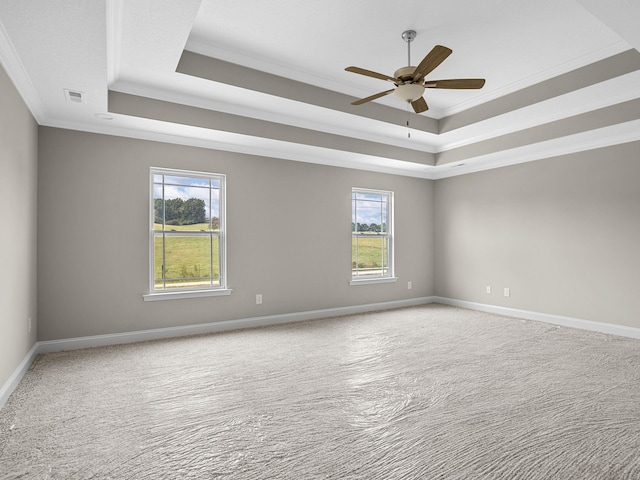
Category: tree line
[371,227]
[180,212]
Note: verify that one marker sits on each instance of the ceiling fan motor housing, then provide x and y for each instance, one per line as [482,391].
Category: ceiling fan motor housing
[407,92]
[405,73]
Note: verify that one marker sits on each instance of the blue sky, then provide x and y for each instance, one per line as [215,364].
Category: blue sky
[369,211]
[189,188]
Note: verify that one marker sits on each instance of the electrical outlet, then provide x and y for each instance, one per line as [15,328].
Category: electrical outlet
[488,288]
[259,299]
[409,285]
[507,292]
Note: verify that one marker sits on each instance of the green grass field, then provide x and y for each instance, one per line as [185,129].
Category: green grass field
[371,252]
[187,260]
[196,227]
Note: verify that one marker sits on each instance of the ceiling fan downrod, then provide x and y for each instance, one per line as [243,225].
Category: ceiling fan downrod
[408,36]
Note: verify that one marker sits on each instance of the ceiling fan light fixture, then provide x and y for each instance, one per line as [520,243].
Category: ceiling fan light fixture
[409,92]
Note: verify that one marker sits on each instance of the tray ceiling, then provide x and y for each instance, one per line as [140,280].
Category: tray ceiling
[267,78]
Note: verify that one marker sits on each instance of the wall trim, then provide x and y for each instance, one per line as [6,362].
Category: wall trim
[7,389]
[609,328]
[15,70]
[49,346]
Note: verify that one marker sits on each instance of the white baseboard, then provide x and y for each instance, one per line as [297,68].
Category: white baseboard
[160,333]
[601,327]
[17,375]
[49,346]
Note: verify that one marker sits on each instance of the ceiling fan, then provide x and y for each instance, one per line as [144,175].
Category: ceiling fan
[410,82]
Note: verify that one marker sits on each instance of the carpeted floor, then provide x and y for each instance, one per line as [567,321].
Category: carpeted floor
[430,392]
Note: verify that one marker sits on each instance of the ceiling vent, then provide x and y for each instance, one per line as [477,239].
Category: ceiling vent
[74,96]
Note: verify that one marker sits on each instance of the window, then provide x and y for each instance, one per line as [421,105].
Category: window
[187,232]
[371,235]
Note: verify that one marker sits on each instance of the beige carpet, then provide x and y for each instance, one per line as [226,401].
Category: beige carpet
[429,392]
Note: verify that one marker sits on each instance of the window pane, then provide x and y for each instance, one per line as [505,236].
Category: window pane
[370,215]
[367,195]
[188,261]
[185,208]
[369,255]
[186,181]
[214,213]
[158,207]
[215,260]
[158,256]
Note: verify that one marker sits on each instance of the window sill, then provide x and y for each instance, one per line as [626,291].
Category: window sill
[152,297]
[369,281]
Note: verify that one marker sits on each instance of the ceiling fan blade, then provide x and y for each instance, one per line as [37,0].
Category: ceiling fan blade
[372,97]
[369,73]
[420,105]
[435,57]
[462,83]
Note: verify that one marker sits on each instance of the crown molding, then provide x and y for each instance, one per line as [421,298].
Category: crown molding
[114,12]
[11,63]
[589,140]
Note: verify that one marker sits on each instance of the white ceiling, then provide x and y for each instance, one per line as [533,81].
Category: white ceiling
[314,45]
[134,48]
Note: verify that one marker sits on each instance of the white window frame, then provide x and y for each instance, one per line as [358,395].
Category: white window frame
[389,235]
[189,292]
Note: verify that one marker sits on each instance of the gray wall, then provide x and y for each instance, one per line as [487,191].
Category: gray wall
[288,235]
[18,161]
[562,233]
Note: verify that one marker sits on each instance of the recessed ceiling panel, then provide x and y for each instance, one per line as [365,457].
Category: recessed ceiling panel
[511,44]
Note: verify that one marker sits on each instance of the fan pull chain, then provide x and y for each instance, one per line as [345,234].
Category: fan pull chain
[408,126]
